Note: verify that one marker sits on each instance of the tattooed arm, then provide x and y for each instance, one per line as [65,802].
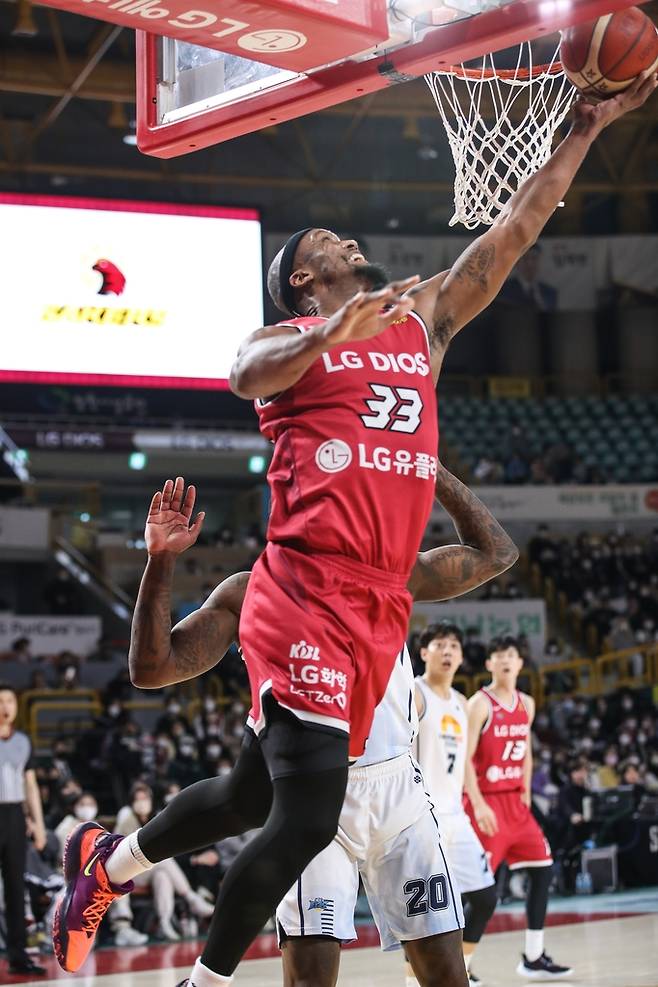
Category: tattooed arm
[485,551]
[158,655]
[161,655]
[451,299]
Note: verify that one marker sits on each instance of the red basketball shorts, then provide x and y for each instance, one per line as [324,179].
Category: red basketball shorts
[322,633]
[519,840]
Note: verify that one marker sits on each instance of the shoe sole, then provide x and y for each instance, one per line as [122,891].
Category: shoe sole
[71,870]
[541,974]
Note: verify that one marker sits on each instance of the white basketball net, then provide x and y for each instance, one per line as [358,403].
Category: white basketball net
[494,157]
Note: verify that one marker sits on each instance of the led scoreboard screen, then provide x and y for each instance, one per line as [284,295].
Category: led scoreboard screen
[143,294]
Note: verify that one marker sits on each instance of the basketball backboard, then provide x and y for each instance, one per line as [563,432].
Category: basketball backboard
[191,96]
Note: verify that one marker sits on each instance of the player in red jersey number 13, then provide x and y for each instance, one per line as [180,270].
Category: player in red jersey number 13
[500,746]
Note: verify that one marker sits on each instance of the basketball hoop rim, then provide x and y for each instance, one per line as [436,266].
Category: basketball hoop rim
[506,75]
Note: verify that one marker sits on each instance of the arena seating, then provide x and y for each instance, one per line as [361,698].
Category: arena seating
[617,436]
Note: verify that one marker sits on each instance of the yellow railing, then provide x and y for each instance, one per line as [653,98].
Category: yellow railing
[567,678]
[633,668]
[41,733]
[31,696]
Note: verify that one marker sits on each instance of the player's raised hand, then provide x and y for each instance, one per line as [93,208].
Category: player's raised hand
[602,114]
[370,312]
[485,818]
[168,527]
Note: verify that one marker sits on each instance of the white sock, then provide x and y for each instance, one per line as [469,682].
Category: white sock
[126,861]
[201,976]
[411,982]
[534,944]
[467,960]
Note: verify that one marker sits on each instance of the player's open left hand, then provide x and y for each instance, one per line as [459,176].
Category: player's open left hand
[168,527]
[370,312]
[600,115]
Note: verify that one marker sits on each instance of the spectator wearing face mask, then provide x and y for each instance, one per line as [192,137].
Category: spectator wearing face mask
[212,757]
[621,636]
[225,765]
[173,715]
[553,653]
[186,767]
[166,879]
[607,774]
[82,808]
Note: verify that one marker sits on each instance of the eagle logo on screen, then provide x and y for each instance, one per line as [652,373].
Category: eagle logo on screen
[113,280]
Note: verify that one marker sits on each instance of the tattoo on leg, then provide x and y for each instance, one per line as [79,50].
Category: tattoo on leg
[475,266]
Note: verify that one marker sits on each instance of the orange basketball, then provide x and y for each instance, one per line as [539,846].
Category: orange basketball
[604,56]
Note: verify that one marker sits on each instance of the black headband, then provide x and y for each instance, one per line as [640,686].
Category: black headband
[286,269]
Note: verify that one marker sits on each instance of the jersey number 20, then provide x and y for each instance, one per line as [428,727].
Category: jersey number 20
[424,895]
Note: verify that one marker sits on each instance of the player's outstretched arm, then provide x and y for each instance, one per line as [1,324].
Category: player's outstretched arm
[160,655]
[486,549]
[450,300]
[274,358]
[485,817]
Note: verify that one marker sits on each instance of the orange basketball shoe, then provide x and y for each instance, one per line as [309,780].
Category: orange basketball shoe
[88,895]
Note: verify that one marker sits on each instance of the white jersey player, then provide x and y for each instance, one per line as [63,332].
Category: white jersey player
[440,748]
[387,835]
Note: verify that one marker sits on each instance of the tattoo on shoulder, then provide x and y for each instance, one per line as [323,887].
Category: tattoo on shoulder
[475,266]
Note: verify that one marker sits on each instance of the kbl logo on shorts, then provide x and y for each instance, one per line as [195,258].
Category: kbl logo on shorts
[304,651]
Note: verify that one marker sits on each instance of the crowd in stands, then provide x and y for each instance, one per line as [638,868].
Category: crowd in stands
[553,440]
[584,747]
[609,582]
[557,463]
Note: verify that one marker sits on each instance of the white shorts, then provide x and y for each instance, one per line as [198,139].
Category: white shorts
[388,835]
[466,855]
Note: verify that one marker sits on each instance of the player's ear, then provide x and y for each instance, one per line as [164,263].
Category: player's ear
[301,278]
[423,655]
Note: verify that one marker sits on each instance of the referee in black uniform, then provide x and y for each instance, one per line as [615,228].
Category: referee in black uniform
[18,790]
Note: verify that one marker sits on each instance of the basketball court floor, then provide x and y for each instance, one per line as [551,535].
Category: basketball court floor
[610,940]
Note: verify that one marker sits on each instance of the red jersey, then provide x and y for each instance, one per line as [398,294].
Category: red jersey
[356,441]
[500,753]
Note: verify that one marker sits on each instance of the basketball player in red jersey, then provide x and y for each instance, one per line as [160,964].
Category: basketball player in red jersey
[344,388]
[499,793]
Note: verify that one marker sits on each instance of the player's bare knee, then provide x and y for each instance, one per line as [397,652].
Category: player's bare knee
[311,961]
[438,960]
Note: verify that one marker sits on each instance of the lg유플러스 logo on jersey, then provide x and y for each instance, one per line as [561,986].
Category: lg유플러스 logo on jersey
[113,280]
[333,456]
[304,651]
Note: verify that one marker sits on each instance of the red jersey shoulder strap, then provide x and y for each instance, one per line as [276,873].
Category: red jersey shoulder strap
[303,323]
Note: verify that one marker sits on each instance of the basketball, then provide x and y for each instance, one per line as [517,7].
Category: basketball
[604,56]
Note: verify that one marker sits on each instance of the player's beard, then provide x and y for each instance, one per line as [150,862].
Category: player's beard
[375,276]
